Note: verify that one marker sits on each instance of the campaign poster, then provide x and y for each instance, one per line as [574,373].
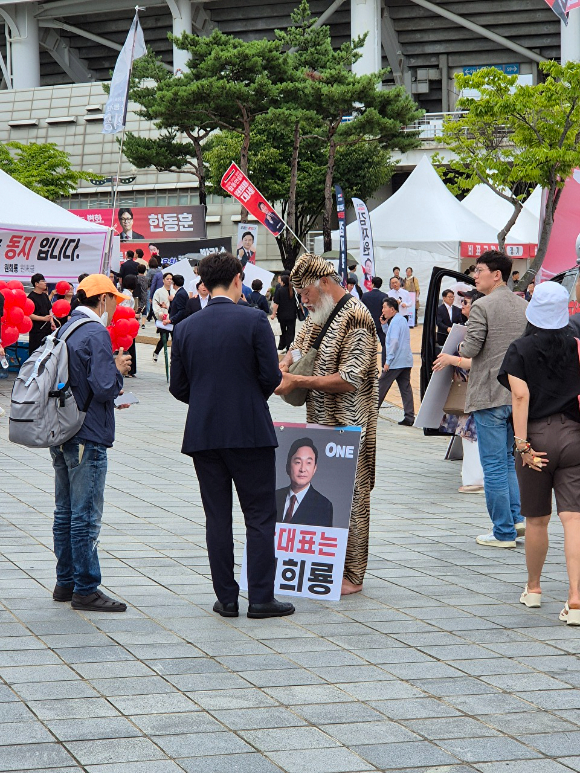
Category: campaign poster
[342,249]
[239,186]
[315,473]
[168,253]
[134,224]
[559,8]
[247,243]
[367,253]
[62,255]
[412,309]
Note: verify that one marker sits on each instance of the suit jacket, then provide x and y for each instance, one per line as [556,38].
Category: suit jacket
[494,322]
[374,300]
[224,364]
[192,305]
[177,306]
[314,510]
[443,321]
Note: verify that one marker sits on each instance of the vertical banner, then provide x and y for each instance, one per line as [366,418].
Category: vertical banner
[315,473]
[367,252]
[239,186]
[247,243]
[341,214]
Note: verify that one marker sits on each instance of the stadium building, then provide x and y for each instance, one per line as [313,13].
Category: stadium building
[55,55]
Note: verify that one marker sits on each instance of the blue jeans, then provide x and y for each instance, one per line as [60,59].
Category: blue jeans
[495,437]
[80,469]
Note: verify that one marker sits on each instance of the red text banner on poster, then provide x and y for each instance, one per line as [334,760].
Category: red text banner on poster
[137,223]
[315,473]
[474,250]
[241,188]
[54,255]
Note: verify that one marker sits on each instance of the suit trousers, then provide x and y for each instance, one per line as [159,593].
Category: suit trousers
[253,472]
[287,333]
[403,378]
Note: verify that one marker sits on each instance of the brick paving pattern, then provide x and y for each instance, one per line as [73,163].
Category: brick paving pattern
[436,667]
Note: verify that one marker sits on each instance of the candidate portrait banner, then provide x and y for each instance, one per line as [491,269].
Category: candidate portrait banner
[315,474]
[241,188]
[341,214]
[247,243]
[62,255]
[367,252]
[133,224]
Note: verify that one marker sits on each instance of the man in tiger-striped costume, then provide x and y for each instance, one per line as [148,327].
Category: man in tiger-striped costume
[343,387]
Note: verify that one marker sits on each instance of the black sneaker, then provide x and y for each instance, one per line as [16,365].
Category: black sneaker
[272,609]
[97,602]
[226,610]
[62,592]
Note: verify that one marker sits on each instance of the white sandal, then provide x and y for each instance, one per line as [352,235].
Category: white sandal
[531,600]
[570,616]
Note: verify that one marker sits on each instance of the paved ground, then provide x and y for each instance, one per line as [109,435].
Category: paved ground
[436,667]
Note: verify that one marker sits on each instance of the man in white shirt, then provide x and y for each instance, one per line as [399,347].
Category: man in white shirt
[402,297]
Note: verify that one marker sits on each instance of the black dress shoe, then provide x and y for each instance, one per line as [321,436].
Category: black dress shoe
[226,610]
[406,423]
[97,602]
[271,609]
[62,592]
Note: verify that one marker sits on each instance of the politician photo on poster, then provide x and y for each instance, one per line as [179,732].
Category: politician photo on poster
[299,501]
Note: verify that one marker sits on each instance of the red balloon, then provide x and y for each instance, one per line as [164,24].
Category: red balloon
[2,285]
[28,307]
[133,327]
[19,298]
[62,287]
[122,327]
[26,325]
[9,336]
[8,297]
[123,312]
[14,284]
[15,315]
[61,308]
[124,342]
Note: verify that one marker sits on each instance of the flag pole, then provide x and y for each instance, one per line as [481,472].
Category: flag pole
[116,186]
[295,236]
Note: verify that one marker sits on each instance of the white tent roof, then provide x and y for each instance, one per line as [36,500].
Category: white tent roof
[487,205]
[22,208]
[423,215]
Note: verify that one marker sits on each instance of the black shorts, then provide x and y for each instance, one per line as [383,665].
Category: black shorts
[559,436]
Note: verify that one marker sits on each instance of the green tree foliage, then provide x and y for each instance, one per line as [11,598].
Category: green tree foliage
[513,135]
[42,167]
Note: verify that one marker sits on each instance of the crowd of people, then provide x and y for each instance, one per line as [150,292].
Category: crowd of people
[520,420]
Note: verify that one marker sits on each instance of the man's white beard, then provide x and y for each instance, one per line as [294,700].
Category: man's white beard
[323,309]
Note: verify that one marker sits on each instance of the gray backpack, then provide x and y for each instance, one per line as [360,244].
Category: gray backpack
[43,410]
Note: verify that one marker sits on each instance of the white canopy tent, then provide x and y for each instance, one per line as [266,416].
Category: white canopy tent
[487,205]
[37,235]
[421,225]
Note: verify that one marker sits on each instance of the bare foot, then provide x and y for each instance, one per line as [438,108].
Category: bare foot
[348,587]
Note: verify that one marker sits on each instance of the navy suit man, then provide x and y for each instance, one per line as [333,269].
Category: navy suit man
[177,310]
[374,300]
[224,365]
[300,502]
[447,316]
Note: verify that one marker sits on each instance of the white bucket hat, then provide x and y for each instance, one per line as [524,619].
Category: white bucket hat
[548,308]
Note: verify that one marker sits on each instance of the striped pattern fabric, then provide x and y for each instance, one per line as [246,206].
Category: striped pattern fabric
[349,348]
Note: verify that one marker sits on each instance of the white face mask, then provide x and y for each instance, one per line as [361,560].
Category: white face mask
[105,318]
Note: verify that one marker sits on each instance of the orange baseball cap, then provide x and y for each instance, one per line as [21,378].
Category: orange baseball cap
[97,284]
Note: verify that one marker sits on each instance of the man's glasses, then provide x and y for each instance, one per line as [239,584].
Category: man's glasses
[480,270]
[465,302]
[126,219]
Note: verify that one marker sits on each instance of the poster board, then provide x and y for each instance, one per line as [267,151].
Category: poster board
[247,244]
[311,546]
[431,412]
[134,224]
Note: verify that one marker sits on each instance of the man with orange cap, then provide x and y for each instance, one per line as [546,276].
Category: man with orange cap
[80,464]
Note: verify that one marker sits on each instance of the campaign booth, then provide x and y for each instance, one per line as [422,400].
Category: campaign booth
[38,236]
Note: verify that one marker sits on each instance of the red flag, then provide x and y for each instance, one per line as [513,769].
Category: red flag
[239,186]
[559,8]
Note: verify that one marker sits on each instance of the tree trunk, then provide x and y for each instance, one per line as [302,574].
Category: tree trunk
[200,171]
[501,237]
[244,161]
[536,264]
[326,215]
[294,177]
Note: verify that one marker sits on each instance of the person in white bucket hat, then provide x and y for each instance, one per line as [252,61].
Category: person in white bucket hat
[542,369]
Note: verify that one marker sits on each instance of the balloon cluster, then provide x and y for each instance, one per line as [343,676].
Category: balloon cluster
[61,308]
[123,328]
[17,311]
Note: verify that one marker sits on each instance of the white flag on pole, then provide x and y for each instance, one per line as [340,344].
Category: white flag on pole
[116,107]
[367,253]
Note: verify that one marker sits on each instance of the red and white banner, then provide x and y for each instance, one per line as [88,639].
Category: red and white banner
[54,255]
[239,186]
[135,224]
[572,4]
[559,8]
[561,252]
[367,252]
[475,249]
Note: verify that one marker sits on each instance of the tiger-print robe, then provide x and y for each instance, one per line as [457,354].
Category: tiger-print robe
[350,349]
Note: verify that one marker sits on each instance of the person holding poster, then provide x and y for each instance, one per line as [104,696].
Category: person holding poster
[224,365]
[343,386]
